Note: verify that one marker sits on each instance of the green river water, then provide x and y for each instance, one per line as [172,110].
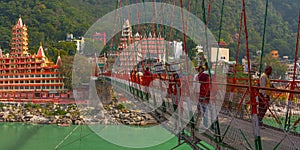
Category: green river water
[19,136]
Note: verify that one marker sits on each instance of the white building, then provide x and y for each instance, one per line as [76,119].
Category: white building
[177,45]
[290,71]
[78,42]
[223,54]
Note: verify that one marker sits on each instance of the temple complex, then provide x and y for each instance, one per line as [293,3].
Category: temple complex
[26,76]
[136,48]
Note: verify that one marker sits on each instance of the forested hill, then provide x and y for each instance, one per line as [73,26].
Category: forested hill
[50,21]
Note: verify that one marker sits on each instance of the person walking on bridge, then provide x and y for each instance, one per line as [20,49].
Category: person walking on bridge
[147,81]
[264,99]
[147,76]
[204,94]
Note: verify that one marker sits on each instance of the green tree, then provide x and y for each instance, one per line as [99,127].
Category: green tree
[69,47]
[66,70]
[281,45]
[83,68]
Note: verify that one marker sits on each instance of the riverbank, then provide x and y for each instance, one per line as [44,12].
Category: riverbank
[69,114]
[40,113]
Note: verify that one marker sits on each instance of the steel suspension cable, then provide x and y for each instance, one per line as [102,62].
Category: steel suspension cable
[234,82]
[138,29]
[239,40]
[251,90]
[172,17]
[139,14]
[220,32]
[205,45]
[205,19]
[162,27]
[263,40]
[115,26]
[237,52]
[203,12]
[187,21]
[217,129]
[120,18]
[208,12]
[162,18]
[154,16]
[236,59]
[184,36]
[128,10]
[293,84]
[185,30]
[120,35]
[128,51]
[193,32]
[154,32]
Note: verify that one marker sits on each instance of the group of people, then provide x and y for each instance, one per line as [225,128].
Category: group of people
[208,92]
[141,78]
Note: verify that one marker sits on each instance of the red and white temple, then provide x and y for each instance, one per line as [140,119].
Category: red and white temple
[136,48]
[28,76]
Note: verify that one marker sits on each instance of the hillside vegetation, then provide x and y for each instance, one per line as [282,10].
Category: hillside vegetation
[50,21]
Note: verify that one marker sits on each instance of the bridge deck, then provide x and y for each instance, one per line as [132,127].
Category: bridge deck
[239,133]
[270,137]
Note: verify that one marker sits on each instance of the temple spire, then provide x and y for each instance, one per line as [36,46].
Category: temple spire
[20,22]
[19,42]
[58,62]
[41,53]
[150,35]
[1,53]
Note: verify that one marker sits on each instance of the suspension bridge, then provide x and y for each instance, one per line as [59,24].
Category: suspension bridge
[170,91]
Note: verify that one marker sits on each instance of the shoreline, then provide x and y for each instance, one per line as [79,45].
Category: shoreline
[69,114]
[40,113]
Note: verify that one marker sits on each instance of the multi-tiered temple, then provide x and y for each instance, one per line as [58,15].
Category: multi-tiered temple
[136,48]
[25,75]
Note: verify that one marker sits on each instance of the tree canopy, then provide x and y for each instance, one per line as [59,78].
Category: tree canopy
[278,68]
[50,21]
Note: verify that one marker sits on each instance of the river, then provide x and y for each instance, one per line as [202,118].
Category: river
[20,136]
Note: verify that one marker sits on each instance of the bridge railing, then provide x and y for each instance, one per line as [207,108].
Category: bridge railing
[282,115]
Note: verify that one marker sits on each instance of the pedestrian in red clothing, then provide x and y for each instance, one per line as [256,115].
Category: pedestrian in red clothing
[204,96]
[147,76]
[133,77]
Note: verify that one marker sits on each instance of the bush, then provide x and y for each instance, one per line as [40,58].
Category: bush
[120,106]
[36,106]
[60,111]
[48,104]
[48,113]
[29,105]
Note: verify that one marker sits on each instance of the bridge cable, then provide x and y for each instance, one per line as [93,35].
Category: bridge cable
[293,84]
[251,90]
[263,40]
